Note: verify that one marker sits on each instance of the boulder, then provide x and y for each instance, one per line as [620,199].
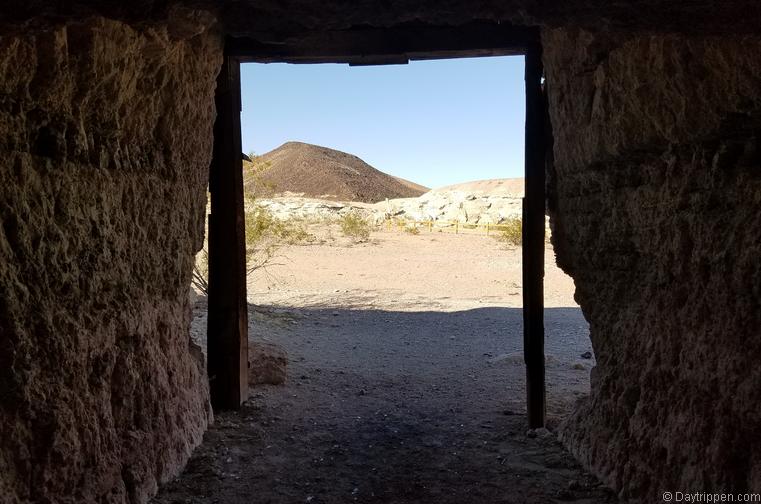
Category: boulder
[267,364]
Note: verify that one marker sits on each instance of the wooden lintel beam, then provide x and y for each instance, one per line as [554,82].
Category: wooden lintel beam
[533,238]
[227,332]
[359,46]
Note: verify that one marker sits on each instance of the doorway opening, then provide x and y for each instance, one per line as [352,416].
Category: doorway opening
[227,262]
[327,143]
[385,402]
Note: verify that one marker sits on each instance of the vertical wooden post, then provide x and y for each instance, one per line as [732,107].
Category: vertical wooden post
[227,331]
[533,239]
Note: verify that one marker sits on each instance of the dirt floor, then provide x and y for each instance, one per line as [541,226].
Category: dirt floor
[405,381]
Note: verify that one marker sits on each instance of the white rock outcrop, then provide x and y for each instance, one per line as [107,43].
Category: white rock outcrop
[482,202]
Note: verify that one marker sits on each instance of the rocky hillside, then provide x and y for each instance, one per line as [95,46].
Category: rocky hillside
[318,172]
[420,189]
[479,202]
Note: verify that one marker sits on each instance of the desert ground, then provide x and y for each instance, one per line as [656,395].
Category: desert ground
[405,380]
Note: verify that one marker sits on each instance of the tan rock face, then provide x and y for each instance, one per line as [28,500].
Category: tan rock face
[655,212]
[106,137]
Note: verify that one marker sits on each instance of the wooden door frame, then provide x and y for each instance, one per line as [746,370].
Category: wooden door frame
[227,330]
[228,324]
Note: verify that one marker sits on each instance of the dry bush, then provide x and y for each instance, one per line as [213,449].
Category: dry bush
[413,230]
[200,278]
[265,235]
[511,231]
[355,227]
[253,176]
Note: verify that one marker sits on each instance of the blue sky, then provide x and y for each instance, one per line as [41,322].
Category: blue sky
[432,122]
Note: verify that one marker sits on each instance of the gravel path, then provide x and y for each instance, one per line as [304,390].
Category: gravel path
[394,397]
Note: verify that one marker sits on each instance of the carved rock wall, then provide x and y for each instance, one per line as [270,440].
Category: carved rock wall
[105,136]
[655,199]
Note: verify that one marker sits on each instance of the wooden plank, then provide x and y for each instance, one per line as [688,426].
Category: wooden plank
[533,239]
[393,45]
[228,317]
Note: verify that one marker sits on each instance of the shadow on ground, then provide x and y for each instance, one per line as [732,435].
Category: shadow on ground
[396,407]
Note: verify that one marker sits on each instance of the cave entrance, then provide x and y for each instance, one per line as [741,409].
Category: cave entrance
[227,308]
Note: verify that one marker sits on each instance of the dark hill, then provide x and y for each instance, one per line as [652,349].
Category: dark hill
[320,172]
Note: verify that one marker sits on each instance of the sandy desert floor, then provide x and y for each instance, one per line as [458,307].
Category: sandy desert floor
[405,381]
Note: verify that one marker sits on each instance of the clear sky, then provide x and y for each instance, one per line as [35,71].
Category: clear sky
[432,122]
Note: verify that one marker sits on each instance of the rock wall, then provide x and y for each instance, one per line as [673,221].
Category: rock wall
[654,200]
[105,141]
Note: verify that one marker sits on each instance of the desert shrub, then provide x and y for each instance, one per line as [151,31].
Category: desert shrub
[412,229]
[355,227]
[396,223]
[253,176]
[200,278]
[511,232]
[265,235]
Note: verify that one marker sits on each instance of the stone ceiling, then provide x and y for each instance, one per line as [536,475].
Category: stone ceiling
[287,18]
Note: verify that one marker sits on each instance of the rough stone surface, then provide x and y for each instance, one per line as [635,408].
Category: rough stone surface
[267,364]
[106,139]
[289,17]
[288,20]
[654,201]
